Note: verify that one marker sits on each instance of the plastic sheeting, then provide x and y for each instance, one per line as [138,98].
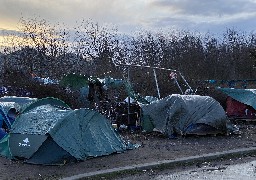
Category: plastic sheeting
[18,100]
[6,112]
[183,114]
[246,96]
[9,107]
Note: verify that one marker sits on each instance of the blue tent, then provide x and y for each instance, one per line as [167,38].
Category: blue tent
[9,108]
[7,112]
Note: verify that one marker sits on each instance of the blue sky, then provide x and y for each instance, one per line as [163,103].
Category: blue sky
[213,16]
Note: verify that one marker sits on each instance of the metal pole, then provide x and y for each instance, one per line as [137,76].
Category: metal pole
[129,99]
[166,69]
[137,65]
[185,81]
[158,92]
[178,85]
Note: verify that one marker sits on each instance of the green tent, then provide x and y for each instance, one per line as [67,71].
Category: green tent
[74,81]
[4,147]
[47,134]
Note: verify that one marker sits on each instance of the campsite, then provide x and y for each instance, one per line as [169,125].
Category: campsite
[45,138]
[69,141]
[103,100]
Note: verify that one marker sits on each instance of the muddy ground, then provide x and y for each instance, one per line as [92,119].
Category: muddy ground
[154,147]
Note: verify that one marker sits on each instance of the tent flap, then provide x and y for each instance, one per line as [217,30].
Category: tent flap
[52,154]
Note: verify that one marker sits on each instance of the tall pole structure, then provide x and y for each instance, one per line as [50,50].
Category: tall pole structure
[129,98]
[157,87]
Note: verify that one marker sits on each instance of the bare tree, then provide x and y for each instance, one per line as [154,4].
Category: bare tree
[37,46]
[96,44]
[50,41]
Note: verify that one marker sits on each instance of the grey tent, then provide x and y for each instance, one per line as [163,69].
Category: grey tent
[48,134]
[185,114]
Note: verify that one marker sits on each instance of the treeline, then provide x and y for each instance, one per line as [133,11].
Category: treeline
[52,50]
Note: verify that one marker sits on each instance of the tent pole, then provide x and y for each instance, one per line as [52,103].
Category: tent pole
[158,92]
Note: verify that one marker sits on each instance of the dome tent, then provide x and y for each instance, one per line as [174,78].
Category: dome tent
[47,134]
